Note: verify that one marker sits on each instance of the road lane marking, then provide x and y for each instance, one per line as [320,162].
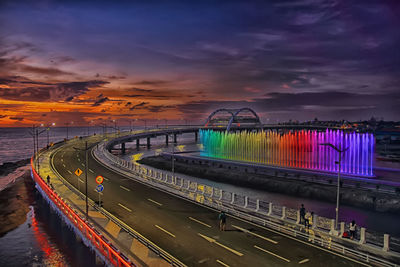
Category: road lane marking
[64,165]
[62,160]
[155,202]
[79,159]
[211,240]
[200,222]
[91,170]
[106,179]
[69,172]
[128,209]
[123,187]
[80,180]
[304,261]
[271,253]
[222,263]
[254,234]
[83,165]
[165,231]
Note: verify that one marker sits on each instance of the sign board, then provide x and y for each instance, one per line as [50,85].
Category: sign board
[78,172]
[99,179]
[99,188]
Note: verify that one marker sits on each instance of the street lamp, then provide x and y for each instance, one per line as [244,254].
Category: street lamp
[338,178]
[86,173]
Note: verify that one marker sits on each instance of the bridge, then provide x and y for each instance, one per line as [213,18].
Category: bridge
[147,216]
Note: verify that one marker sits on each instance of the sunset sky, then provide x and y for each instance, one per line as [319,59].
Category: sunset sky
[91,61]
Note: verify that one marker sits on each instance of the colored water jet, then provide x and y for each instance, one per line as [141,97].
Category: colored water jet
[295,149]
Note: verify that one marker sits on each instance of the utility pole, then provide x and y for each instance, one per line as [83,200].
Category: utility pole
[86,174]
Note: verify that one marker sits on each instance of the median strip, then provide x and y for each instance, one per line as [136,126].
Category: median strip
[155,202]
[271,253]
[123,187]
[200,222]
[128,209]
[254,234]
[165,231]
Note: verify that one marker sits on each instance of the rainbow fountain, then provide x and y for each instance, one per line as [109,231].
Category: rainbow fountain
[296,149]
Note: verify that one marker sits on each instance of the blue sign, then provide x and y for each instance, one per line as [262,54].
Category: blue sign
[99,188]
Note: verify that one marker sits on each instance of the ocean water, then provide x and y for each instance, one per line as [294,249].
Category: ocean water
[17,143]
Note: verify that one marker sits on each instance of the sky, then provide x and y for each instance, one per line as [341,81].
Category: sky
[90,62]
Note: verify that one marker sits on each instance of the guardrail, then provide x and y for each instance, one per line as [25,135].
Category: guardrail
[275,217]
[82,227]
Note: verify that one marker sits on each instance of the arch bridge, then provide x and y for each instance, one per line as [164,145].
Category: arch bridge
[243,117]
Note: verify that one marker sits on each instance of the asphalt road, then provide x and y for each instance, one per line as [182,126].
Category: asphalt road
[188,231]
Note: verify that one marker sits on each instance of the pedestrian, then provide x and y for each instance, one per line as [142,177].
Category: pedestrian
[48,179]
[222,221]
[302,214]
[352,229]
[308,219]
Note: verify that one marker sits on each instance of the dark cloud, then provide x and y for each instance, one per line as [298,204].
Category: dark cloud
[54,92]
[138,105]
[152,82]
[100,101]
[17,118]
[43,71]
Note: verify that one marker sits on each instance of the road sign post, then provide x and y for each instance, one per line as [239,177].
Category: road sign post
[78,173]
[99,189]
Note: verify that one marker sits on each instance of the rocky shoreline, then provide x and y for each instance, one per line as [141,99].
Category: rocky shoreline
[352,197]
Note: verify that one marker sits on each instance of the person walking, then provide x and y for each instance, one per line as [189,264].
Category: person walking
[48,179]
[222,221]
[302,214]
[308,219]
[352,228]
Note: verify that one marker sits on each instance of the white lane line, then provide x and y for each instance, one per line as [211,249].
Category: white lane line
[69,172]
[83,165]
[106,179]
[128,209]
[200,222]
[212,240]
[91,170]
[257,235]
[304,261]
[77,155]
[64,165]
[222,263]
[79,159]
[62,160]
[165,231]
[271,253]
[123,187]
[155,202]
[81,181]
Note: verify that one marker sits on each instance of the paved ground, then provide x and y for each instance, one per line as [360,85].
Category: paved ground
[188,231]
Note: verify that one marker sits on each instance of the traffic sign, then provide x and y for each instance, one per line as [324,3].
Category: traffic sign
[99,179]
[78,172]
[99,188]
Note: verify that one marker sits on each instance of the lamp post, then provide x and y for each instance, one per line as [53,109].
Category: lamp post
[340,151]
[86,173]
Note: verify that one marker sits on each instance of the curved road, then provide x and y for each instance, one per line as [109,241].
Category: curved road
[188,231]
